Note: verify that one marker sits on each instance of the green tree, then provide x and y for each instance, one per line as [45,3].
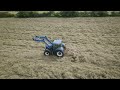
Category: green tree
[84,14]
[6,14]
[69,13]
[114,13]
[99,13]
[25,14]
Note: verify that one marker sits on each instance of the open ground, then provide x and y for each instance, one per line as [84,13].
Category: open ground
[93,48]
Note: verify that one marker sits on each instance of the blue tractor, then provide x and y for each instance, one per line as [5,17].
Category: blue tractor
[52,48]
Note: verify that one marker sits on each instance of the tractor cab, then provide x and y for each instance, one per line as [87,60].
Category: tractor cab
[57,44]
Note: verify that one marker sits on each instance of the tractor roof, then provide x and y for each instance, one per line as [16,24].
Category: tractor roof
[57,41]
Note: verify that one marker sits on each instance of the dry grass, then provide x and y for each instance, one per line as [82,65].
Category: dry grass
[93,48]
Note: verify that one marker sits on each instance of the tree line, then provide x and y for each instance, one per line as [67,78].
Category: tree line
[28,14]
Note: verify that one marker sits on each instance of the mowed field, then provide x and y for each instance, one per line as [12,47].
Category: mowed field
[93,48]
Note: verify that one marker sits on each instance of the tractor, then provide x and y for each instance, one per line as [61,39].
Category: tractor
[52,48]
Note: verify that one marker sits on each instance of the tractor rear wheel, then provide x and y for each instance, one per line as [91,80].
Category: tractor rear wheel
[59,53]
[47,52]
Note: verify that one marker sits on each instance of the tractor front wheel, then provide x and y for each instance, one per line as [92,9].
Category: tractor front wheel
[47,53]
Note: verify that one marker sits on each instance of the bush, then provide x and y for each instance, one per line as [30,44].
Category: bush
[33,14]
[84,14]
[50,14]
[57,14]
[6,14]
[47,14]
[115,13]
[69,14]
[26,14]
[22,14]
[99,13]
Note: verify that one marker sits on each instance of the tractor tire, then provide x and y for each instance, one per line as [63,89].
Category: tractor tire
[47,52]
[59,53]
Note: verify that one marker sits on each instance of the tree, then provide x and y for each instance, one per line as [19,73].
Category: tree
[114,13]
[84,14]
[69,13]
[99,13]
[6,14]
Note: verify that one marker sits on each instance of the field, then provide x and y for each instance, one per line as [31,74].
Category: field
[93,48]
